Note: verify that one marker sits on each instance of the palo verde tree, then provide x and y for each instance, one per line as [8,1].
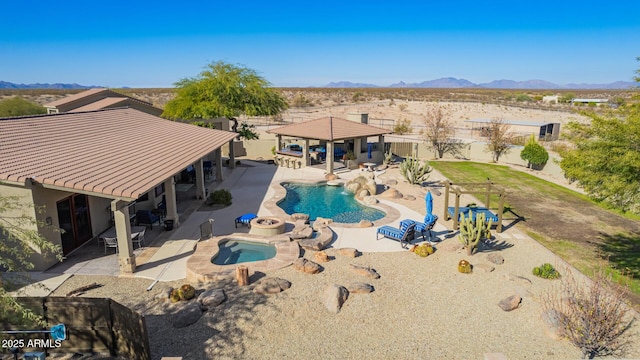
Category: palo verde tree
[534,154]
[605,156]
[439,132]
[17,106]
[500,138]
[19,240]
[225,90]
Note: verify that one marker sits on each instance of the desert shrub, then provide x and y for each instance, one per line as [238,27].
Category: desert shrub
[592,316]
[523,97]
[17,106]
[402,127]
[546,271]
[534,153]
[402,107]
[388,157]
[222,196]
[300,101]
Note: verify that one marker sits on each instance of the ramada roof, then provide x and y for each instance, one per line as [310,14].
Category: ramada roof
[329,129]
[115,153]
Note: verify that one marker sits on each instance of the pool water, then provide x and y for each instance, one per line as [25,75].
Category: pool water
[331,202]
[236,252]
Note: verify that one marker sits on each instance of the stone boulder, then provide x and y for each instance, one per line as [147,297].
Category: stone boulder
[495,258]
[370,200]
[188,315]
[362,194]
[353,187]
[364,271]
[391,194]
[299,216]
[271,286]
[409,197]
[391,182]
[321,222]
[320,242]
[349,252]
[212,298]
[306,266]
[360,288]
[334,297]
[484,268]
[510,303]
[301,231]
[321,256]
[365,224]
[331,177]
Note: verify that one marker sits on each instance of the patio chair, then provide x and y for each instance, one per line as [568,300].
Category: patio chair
[207,168]
[404,234]
[423,228]
[146,217]
[245,219]
[139,239]
[110,242]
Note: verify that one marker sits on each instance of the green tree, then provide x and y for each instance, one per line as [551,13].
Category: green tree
[17,106]
[224,90]
[19,240]
[605,158]
[534,153]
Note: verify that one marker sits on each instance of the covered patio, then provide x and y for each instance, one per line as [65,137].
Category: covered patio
[90,170]
[326,132]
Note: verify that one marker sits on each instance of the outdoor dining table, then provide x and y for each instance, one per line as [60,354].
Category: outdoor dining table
[111,232]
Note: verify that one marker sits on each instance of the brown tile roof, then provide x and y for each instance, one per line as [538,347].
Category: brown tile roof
[118,153]
[102,104]
[330,129]
[75,97]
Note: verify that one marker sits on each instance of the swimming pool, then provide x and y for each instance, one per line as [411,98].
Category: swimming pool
[236,252]
[322,200]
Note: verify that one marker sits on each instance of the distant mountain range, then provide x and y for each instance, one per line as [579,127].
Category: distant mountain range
[9,85]
[454,83]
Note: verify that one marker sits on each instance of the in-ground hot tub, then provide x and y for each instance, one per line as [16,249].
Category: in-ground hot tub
[231,251]
[267,226]
[201,266]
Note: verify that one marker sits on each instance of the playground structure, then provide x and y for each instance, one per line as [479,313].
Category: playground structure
[487,189]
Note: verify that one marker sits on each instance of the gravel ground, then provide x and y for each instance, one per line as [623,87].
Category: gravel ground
[421,308]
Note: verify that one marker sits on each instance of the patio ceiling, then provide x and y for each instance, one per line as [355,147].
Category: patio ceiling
[329,129]
[115,153]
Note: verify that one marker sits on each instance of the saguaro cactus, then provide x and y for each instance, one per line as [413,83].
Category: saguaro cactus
[472,232]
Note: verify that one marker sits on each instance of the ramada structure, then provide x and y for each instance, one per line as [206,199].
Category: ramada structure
[86,168]
[329,130]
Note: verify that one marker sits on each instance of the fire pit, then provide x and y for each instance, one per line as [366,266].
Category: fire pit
[267,225]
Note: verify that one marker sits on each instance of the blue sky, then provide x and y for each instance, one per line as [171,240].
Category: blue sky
[307,43]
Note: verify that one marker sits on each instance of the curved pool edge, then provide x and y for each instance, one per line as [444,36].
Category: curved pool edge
[271,204]
[199,267]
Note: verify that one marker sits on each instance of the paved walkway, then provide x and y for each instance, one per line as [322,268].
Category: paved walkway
[250,187]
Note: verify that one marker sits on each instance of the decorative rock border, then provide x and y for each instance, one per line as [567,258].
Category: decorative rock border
[201,269]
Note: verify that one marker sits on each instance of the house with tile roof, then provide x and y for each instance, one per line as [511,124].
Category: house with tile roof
[99,98]
[87,169]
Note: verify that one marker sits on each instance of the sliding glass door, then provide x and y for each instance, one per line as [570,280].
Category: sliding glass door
[75,221]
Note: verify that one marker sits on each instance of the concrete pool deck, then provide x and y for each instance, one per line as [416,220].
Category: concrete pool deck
[251,186]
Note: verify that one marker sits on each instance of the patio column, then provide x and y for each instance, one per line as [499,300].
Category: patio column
[126,259]
[278,142]
[171,204]
[381,146]
[218,156]
[305,153]
[329,157]
[200,193]
[232,155]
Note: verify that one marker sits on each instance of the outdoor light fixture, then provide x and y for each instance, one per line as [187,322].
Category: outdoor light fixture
[49,220]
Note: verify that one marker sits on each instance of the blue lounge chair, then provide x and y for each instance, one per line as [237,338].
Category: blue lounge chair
[423,228]
[245,219]
[404,234]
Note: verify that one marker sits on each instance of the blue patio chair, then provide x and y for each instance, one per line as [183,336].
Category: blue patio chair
[423,228]
[146,217]
[207,168]
[245,219]
[404,234]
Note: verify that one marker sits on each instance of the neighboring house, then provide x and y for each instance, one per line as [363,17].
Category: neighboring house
[97,99]
[598,102]
[87,168]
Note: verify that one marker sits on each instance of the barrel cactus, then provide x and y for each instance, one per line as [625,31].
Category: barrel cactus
[424,250]
[174,296]
[472,232]
[465,267]
[187,292]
